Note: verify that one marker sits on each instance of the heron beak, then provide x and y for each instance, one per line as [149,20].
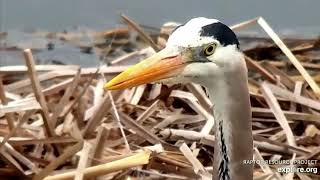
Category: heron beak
[164,64]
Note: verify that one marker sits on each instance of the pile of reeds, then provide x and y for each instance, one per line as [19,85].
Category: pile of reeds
[57,122]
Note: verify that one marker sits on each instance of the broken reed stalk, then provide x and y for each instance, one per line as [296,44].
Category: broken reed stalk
[4,101]
[266,27]
[176,134]
[140,130]
[147,113]
[117,117]
[103,107]
[82,91]
[244,24]
[38,92]
[125,163]
[23,119]
[278,113]
[65,98]
[262,70]
[143,35]
[98,146]
[68,152]
[84,158]
[198,167]
[8,158]
[7,148]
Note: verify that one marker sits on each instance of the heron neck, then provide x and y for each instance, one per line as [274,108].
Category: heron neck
[233,130]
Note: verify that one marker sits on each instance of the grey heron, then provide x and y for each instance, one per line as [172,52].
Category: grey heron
[206,51]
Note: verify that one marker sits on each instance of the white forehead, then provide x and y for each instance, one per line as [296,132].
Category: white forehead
[189,34]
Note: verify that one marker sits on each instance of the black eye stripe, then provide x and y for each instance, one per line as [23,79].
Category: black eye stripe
[221,32]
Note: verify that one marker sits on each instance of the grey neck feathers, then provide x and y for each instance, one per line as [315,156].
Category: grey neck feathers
[233,128]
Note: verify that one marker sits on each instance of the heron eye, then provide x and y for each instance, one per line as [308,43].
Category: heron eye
[209,50]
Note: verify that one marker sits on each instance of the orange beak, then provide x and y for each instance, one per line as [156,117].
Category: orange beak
[162,65]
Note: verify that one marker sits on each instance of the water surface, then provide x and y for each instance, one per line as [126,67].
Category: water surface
[286,16]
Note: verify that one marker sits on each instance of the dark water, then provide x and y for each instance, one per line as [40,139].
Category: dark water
[286,16]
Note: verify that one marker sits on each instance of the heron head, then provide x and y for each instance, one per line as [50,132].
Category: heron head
[199,51]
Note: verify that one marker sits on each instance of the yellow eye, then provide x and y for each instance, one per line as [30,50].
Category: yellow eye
[209,50]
